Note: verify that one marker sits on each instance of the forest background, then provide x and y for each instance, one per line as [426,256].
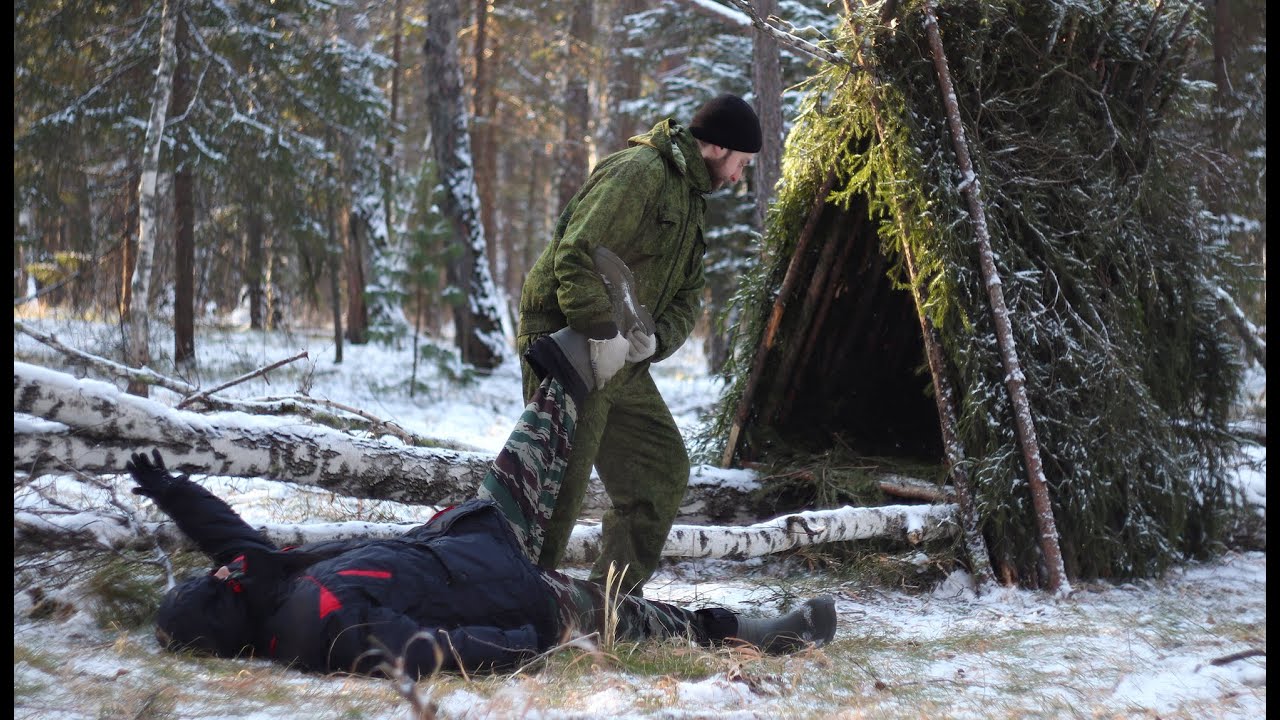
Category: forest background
[388,172]
[300,159]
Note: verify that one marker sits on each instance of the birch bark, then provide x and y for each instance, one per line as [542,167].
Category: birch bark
[148,194]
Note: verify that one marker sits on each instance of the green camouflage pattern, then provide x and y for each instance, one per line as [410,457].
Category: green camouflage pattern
[525,478]
[646,205]
[625,431]
[525,481]
[586,607]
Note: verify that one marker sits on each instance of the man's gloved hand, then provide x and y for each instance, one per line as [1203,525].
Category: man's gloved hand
[608,357]
[153,478]
[642,344]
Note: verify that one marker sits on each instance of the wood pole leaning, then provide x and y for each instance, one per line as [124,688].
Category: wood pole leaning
[1015,380]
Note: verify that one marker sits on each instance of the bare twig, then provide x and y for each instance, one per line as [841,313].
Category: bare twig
[423,704]
[1243,654]
[301,402]
[1247,331]
[792,41]
[944,394]
[247,376]
[136,526]
[108,367]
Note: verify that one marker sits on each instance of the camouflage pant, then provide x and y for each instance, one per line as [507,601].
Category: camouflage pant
[525,480]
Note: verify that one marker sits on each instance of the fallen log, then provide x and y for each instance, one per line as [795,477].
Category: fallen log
[37,531]
[63,422]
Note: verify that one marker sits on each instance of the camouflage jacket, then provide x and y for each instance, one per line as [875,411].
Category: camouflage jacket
[646,204]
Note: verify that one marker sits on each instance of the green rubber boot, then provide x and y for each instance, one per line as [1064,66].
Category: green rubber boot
[813,622]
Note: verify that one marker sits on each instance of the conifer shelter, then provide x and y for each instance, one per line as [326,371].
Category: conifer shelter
[872,325]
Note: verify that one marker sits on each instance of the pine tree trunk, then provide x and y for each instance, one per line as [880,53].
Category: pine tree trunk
[388,172]
[253,240]
[484,102]
[577,109]
[148,193]
[1014,378]
[333,254]
[479,329]
[623,82]
[184,336]
[354,253]
[766,80]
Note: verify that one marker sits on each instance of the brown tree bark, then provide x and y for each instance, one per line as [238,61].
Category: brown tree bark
[184,336]
[577,108]
[1014,378]
[766,81]
[354,250]
[484,105]
[253,240]
[623,81]
[333,254]
[476,317]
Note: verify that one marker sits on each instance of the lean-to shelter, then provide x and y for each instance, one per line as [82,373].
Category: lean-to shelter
[1074,114]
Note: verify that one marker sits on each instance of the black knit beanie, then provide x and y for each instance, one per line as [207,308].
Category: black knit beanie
[728,121]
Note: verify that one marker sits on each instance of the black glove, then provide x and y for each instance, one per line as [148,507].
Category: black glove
[153,478]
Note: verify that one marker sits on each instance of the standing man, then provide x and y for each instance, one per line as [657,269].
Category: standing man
[646,205]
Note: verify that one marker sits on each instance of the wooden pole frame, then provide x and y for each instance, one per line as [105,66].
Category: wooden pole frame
[1015,380]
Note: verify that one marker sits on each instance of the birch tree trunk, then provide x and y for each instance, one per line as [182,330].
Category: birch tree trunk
[1015,381]
[62,422]
[148,200]
[479,328]
[35,532]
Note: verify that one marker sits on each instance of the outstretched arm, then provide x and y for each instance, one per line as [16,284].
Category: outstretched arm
[202,516]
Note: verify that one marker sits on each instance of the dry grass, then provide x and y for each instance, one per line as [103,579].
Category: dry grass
[897,655]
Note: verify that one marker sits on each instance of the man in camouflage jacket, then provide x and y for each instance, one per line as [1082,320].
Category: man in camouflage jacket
[646,205]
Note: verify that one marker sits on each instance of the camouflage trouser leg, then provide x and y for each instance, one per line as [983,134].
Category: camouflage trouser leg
[586,607]
[525,478]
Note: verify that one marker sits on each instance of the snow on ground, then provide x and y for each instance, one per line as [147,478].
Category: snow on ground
[1142,650]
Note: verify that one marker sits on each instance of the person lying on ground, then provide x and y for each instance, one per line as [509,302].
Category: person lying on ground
[460,592]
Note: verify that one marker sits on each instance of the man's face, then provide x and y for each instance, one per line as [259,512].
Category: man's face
[726,166]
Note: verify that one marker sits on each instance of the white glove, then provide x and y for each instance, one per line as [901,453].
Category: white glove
[643,344]
[607,357]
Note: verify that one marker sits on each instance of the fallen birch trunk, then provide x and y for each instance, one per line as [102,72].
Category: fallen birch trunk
[62,422]
[86,530]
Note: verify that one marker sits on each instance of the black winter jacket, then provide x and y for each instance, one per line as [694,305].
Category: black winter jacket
[454,593]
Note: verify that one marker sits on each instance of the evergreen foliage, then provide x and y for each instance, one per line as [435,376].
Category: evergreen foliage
[272,93]
[1107,266]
